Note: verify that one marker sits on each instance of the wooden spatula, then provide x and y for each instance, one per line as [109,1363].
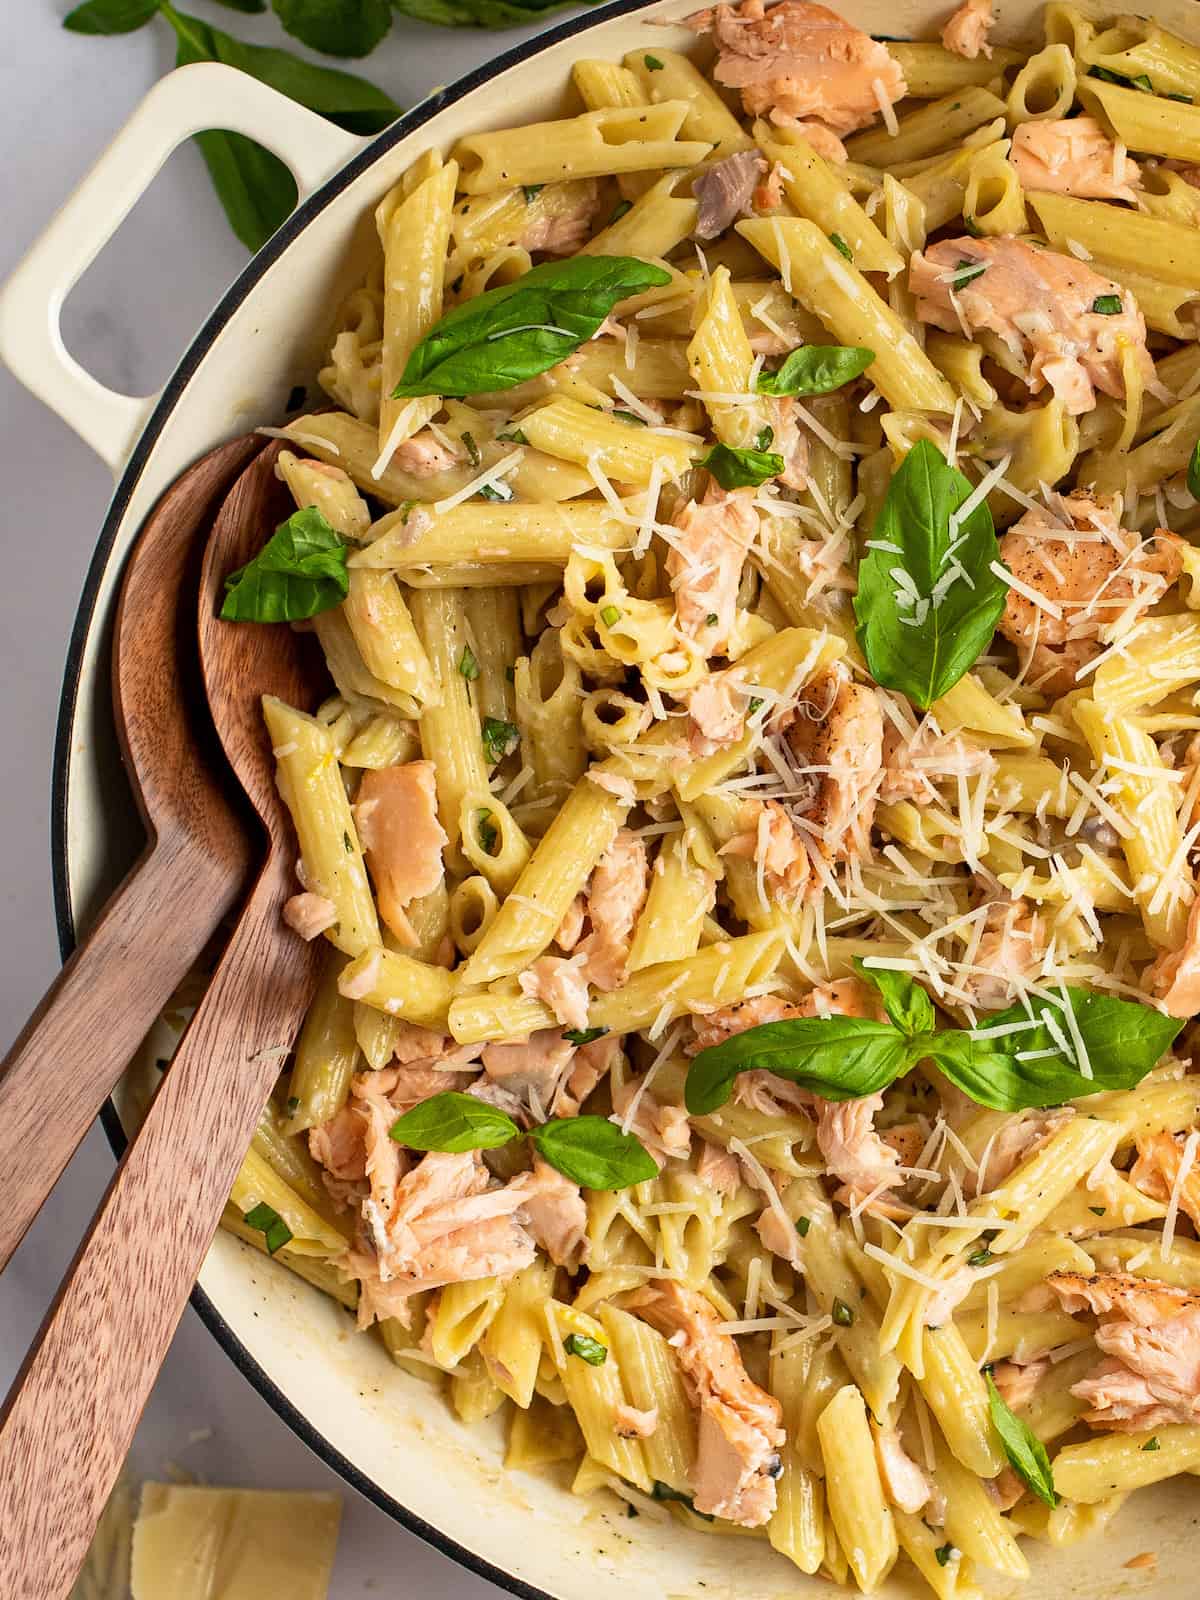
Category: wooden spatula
[70,1417]
[193,870]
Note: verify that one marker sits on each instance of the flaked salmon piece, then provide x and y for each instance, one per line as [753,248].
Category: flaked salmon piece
[779,1236]
[789,441]
[705,560]
[953,1289]
[309,914]
[424,455]
[844,997]
[570,929]
[718,1169]
[664,1130]
[824,141]
[396,817]
[354,1146]
[593,1062]
[1020,1137]
[495,1248]
[561,982]
[337,1145]
[907,1139]
[557,1213]
[966,30]
[854,1153]
[1004,1490]
[630,1423]
[740,1436]
[561,231]
[911,766]
[1042,305]
[614,783]
[769,194]
[432,1048]
[417,1082]
[717,712]
[768,837]
[771,1095]
[1073,155]
[724,192]
[1092,572]
[904,1482]
[1173,979]
[799,60]
[615,897]
[1017,1381]
[714,1027]
[1160,1168]
[835,731]
[385,1161]
[1010,950]
[1150,1335]
[531,1068]
[494,1094]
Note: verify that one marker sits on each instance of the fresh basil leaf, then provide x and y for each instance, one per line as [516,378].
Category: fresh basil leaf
[585,1348]
[583,1035]
[1193,472]
[1025,1451]
[593,1152]
[1015,1071]
[1107,305]
[928,601]
[453,1122]
[270,1224]
[840,1058]
[110,16]
[742,469]
[300,571]
[499,738]
[336,27]
[516,331]
[817,369]
[909,1007]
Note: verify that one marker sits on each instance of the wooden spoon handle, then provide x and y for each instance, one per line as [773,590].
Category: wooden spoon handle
[68,1422]
[80,1039]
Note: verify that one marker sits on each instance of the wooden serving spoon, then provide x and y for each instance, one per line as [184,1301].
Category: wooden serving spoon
[152,931]
[68,1422]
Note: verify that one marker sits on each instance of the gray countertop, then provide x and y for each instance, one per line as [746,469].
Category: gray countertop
[128,321]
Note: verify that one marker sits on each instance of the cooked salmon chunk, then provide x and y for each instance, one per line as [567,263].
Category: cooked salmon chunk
[1150,1335]
[705,560]
[1166,1165]
[1010,949]
[797,59]
[1090,573]
[966,30]
[1042,305]
[396,817]
[615,896]
[1073,155]
[737,1459]
[1174,978]
[724,192]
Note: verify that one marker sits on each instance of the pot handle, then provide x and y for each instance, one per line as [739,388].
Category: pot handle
[189,100]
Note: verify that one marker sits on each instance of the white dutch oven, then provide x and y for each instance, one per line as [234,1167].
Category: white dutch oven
[390,1435]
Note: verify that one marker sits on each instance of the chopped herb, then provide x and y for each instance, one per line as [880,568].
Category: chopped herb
[610,616]
[531,191]
[270,1224]
[500,738]
[407,508]
[1141,82]
[487,830]
[467,664]
[618,211]
[510,674]
[979,1258]
[1184,99]
[1193,472]
[495,491]
[663,1491]
[803,1224]
[943,1554]
[840,245]
[712,619]
[967,272]
[293,1104]
[586,1348]
[653,64]
[583,1035]
[1151,1444]
[842,1314]
[765,439]
[472,449]
[1025,1451]
[972,227]
[629,416]
[513,436]
[1107,305]
[755,705]
[1097,1211]
[346,844]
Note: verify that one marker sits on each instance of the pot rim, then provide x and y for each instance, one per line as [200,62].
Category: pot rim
[85,619]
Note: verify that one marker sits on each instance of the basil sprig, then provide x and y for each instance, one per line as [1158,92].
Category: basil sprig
[300,571]
[591,1151]
[1036,1064]
[742,469]
[817,369]
[1025,1451]
[928,600]
[509,334]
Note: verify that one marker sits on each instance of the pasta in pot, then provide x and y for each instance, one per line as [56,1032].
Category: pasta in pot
[757,824]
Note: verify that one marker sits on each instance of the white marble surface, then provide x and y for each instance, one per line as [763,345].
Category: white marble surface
[62,97]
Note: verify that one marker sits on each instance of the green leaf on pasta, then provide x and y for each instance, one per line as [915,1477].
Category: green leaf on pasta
[839,1058]
[593,1152]
[816,369]
[1025,1451]
[734,468]
[905,1002]
[299,572]
[453,1123]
